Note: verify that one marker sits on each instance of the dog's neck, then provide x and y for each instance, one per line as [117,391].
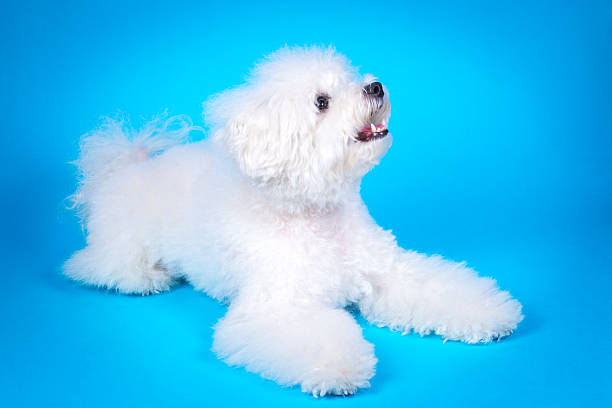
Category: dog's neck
[301,202]
[297,196]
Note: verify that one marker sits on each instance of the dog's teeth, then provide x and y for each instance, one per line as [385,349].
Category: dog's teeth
[373,127]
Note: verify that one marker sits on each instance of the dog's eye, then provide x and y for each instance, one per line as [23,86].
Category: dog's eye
[322,102]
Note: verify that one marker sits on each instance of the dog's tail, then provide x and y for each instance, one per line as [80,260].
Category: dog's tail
[115,145]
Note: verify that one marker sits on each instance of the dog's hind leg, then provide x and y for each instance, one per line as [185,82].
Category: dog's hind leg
[120,207]
[125,268]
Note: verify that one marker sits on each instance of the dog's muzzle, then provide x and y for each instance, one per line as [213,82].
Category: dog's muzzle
[371,131]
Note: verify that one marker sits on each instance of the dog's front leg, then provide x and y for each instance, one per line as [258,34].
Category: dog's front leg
[427,294]
[296,343]
[432,295]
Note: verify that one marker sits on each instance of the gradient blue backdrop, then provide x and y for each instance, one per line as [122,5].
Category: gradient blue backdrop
[502,123]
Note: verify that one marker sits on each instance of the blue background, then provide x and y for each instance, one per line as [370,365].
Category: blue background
[502,119]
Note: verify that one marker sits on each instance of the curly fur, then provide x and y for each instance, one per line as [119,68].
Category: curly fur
[266,215]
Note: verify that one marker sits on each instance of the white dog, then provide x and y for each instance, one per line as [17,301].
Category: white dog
[267,216]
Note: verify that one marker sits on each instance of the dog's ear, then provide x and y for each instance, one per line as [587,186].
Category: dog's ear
[262,131]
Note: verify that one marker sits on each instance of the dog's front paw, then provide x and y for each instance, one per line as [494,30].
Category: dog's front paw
[482,320]
[340,377]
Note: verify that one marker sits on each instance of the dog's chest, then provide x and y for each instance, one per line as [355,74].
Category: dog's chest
[319,255]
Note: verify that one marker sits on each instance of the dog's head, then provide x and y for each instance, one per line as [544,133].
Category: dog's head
[305,125]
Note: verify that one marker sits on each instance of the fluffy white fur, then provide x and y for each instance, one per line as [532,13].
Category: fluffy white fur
[266,215]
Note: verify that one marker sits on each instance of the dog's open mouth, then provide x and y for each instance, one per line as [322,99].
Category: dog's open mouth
[372,132]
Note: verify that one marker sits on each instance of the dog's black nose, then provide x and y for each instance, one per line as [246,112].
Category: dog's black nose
[374,89]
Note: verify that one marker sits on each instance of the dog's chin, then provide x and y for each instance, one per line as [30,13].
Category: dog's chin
[371,132]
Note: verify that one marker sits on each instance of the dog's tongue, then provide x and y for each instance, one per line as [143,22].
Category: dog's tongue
[372,128]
